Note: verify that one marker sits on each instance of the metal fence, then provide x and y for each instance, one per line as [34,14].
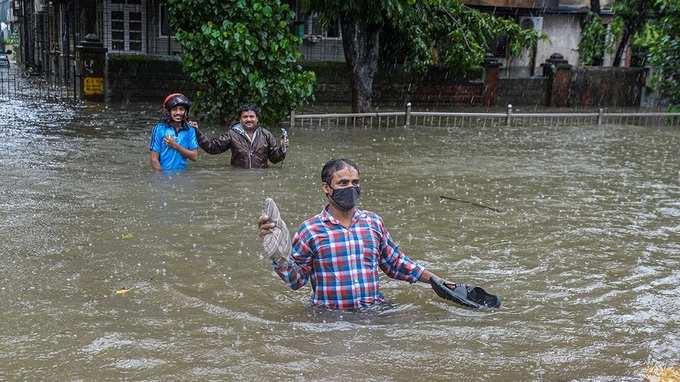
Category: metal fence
[409,118]
[390,119]
[24,85]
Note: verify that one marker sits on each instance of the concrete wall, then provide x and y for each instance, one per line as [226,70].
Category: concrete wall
[135,78]
[597,86]
[428,94]
[435,88]
[585,87]
[522,91]
[142,78]
[564,34]
[332,83]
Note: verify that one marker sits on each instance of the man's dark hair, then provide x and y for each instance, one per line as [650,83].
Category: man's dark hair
[333,166]
[249,107]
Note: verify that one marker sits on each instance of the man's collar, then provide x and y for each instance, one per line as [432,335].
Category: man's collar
[183,126]
[326,215]
[239,129]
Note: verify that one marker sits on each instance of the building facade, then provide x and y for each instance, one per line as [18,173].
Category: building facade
[561,22]
[52,30]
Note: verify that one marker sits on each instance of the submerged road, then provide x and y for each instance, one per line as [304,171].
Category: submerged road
[585,254]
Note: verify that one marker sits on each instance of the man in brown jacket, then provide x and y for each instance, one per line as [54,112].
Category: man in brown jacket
[251,145]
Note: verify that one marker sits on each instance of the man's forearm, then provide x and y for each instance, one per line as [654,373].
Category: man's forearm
[426,276]
[155,161]
[290,273]
[189,154]
[215,145]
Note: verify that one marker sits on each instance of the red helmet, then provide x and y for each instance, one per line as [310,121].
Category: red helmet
[176,99]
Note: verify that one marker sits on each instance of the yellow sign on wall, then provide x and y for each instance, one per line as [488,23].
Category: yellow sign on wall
[93,86]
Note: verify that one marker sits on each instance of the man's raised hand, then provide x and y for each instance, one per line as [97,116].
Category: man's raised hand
[265,225]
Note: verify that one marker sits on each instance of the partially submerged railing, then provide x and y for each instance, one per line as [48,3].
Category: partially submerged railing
[409,118]
[15,86]
[388,119]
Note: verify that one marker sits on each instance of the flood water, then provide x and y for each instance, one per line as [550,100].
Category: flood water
[585,254]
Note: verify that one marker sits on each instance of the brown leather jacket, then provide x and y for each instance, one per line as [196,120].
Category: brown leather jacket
[244,153]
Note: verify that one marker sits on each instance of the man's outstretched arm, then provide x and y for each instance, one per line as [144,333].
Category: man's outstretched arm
[213,145]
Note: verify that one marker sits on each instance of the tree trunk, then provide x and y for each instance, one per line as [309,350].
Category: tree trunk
[621,47]
[631,27]
[595,6]
[361,45]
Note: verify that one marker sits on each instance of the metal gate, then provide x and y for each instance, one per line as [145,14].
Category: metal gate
[19,83]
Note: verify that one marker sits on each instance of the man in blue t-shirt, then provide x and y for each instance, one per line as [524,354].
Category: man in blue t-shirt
[173,140]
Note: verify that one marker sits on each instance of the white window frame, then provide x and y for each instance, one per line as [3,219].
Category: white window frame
[126,9]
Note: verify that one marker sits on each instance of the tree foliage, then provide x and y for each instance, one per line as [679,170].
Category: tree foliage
[630,18]
[661,39]
[241,51]
[652,27]
[454,35]
[595,41]
[420,33]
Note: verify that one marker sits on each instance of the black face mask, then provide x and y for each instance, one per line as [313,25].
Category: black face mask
[346,198]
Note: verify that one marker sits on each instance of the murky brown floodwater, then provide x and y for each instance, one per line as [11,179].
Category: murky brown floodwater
[585,255]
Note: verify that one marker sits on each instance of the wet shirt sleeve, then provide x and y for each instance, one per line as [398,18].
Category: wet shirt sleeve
[296,270]
[192,141]
[276,153]
[156,143]
[395,263]
[214,145]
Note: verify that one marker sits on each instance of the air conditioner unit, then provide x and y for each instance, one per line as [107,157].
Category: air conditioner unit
[535,23]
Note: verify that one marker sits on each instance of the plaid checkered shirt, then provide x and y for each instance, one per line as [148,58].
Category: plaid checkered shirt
[342,263]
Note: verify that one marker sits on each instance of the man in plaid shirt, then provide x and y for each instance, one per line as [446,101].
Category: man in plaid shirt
[341,248]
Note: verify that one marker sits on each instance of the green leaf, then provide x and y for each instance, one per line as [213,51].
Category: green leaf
[240,50]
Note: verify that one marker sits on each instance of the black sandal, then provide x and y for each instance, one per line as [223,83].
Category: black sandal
[473,297]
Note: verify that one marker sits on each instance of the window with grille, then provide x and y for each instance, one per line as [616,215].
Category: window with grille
[313,26]
[127,20]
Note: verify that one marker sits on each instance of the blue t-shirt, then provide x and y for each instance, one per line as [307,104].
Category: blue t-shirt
[170,158]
